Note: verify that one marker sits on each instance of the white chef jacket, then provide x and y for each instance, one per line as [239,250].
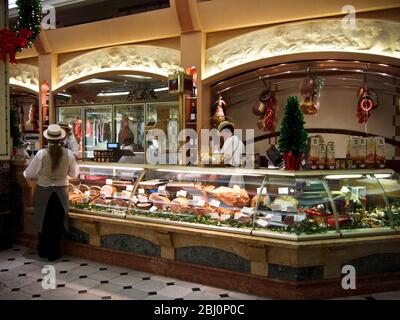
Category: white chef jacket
[40,169]
[72,144]
[233,149]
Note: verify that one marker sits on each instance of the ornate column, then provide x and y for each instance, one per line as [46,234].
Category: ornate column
[5,147]
[47,72]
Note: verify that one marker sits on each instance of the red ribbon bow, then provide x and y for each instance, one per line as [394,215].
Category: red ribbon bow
[10,41]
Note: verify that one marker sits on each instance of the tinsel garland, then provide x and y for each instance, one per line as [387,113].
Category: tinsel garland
[29,17]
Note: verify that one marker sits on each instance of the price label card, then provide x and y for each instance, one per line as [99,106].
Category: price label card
[141,191]
[283,190]
[238,215]
[201,203]
[214,215]
[162,190]
[129,188]
[109,182]
[276,218]
[300,217]
[264,191]
[262,223]
[87,193]
[182,193]
[215,203]
[197,198]
[134,200]
[247,210]
[153,209]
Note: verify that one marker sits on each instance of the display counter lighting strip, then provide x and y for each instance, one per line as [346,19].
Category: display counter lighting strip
[161,89]
[111,168]
[205,172]
[382,175]
[343,176]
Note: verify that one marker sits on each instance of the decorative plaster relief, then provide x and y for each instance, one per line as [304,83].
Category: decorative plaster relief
[370,36]
[149,59]
[24,75]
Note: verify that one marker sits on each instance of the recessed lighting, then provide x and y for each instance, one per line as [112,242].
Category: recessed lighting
[94,80]
[110,94]
[136,76]
[64,95]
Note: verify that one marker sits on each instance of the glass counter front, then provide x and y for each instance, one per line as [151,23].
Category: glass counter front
[277,204]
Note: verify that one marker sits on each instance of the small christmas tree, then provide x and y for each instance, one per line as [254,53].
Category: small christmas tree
[293,136]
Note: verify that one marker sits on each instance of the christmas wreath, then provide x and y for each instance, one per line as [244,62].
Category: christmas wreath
[26,30]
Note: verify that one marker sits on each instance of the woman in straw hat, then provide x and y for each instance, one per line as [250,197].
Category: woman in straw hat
[50,168]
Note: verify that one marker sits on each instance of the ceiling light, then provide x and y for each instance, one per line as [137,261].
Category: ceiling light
[161,89]
[64,95]
[12,4]
[110,94]
[94,80]
[136,76]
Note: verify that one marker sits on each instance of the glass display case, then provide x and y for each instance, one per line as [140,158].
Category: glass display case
[73,117]
[163,116]
[129,125]
[95,126]
[99,129]
[268,203]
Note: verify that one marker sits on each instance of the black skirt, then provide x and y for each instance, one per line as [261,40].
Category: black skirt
[53,229]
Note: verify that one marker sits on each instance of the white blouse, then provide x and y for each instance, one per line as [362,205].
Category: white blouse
[40,169]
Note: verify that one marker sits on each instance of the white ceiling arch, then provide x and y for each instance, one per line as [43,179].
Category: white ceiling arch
[142,59]
[374,37]
[24,76]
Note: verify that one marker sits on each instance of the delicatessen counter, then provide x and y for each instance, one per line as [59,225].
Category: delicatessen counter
[277,233]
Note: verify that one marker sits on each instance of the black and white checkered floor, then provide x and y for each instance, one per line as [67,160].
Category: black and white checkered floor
[21,278]
[80,279]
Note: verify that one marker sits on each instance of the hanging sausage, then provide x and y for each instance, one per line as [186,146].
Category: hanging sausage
[311,90]
[265,107]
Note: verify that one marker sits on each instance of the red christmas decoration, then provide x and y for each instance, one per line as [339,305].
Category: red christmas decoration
[367,102]
[10,41]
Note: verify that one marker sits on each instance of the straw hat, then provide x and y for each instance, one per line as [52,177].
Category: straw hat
[54,132]
[67,128]
[226,124]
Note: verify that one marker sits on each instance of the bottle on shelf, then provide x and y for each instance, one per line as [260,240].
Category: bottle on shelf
[193,109]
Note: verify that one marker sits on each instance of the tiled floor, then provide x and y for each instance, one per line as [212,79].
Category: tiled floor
[80,279]
[76,278]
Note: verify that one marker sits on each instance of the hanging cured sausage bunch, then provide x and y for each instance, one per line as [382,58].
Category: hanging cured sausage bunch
[367,102]
[311,90]
[265,107]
